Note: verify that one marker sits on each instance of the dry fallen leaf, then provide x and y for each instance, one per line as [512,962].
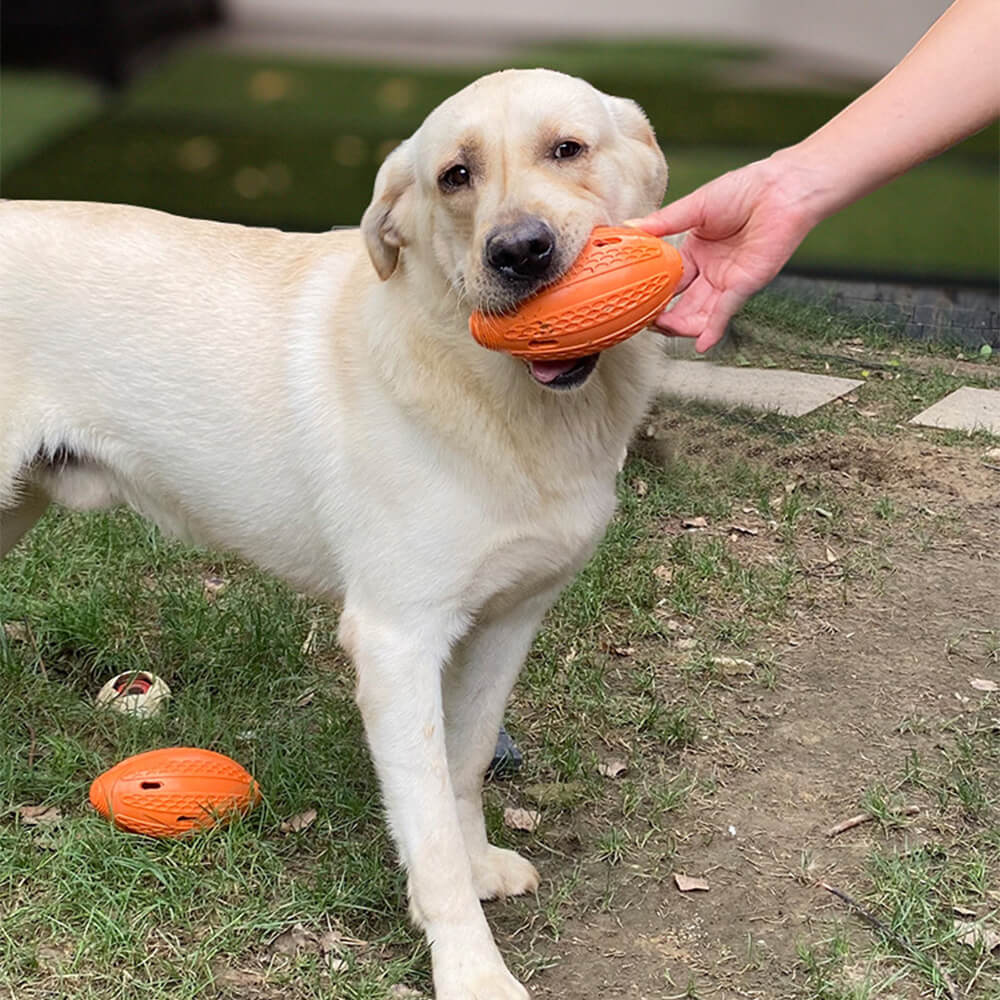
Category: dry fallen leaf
[526,820]
[981,684]
[641,487]
[40,815]
[733,665]
[623,650]
[694,523]
[16,631]
[831,556]
[293,940]
[401,992]
[306,698]
[688,883]
[612,768]
[226,977]
[974,933]
[664,574]
[309,643]
[213,587]
[743,529]
[297,824]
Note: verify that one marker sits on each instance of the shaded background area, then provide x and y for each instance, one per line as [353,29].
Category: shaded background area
[279,113]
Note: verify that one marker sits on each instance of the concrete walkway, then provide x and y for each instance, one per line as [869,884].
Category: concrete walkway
[792,394]
[795,394]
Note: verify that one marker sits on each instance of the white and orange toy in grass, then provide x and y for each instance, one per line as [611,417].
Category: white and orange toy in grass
[618,284]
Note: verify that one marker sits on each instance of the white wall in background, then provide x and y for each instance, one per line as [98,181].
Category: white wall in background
[864,35]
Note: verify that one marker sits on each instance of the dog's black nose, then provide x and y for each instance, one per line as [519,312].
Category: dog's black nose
[522,250]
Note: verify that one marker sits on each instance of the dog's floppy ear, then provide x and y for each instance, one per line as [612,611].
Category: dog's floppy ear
[384,223]
[634,125]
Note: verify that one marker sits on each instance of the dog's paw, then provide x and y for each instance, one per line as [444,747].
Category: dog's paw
[496,984]
[498,873]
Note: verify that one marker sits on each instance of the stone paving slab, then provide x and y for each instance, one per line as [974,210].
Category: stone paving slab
[965,409]
[791,394]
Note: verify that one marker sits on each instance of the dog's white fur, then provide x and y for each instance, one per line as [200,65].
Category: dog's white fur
[267,393]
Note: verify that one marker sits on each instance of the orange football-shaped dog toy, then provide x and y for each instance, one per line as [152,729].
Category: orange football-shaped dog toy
[620,282]
[166,793]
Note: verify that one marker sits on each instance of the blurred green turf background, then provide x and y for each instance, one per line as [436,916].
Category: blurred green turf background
[295,143]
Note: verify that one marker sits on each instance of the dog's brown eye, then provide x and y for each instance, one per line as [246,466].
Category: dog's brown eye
[567,150]
[454,178]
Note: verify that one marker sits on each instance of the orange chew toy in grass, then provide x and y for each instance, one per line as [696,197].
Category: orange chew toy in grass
[166,793]
[620,282]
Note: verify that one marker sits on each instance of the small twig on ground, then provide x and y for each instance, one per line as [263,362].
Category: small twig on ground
[989,465]
[31,745]
[903,945]
[853,821]
[38,654]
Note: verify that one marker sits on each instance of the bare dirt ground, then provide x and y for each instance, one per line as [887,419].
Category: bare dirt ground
[871,670]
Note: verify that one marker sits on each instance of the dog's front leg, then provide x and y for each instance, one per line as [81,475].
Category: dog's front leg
[477,684]
[399,664]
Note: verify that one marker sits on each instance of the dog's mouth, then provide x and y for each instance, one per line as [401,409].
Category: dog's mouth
[563,374]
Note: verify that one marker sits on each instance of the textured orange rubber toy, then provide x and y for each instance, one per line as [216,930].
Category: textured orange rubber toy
[620,282]
[166,793]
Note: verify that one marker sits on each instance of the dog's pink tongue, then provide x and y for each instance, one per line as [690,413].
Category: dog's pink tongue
[548,371]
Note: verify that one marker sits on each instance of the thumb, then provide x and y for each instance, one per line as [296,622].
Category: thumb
[677,217]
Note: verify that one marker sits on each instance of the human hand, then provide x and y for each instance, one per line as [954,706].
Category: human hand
[741,229]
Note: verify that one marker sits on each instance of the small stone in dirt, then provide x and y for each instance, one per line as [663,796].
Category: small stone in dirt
[694,523]
[525,820]
[981,684]
[689,883]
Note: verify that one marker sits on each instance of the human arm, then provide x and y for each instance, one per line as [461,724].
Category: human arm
[743,226]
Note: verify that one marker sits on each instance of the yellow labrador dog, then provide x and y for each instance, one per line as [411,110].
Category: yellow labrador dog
[317,404]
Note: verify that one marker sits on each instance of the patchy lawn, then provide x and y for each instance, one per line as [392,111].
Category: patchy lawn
[780,633]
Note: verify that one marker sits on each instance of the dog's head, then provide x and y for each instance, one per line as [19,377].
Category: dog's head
[498,190]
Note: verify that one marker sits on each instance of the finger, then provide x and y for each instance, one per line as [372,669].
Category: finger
[703,312]
[677,217]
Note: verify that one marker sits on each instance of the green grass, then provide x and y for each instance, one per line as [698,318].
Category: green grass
[36,108]
[926,895]
[275,140]
[627,666]
[94,595]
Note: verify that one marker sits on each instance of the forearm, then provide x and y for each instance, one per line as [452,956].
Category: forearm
[945,89]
